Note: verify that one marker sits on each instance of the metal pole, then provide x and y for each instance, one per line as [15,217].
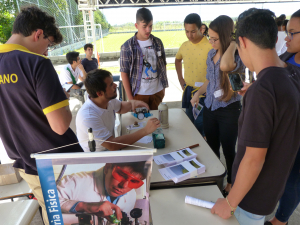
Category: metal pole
[85,26]
[18,5]
[102,38]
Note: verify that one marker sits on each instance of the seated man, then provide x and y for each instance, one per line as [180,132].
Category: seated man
[88,62]
[73,72]
[102,191]
[99,110]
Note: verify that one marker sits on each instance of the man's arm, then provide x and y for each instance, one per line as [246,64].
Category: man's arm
[178,66]
[131,105]
[125,63]
[227,62]
[248,172]
[201,91]
[129,139]
[80,66]
[126,85]
[52,97]
[60,119]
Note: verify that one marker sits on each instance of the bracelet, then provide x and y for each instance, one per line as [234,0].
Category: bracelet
[232,208]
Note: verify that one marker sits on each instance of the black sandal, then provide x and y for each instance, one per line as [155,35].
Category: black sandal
[269,223]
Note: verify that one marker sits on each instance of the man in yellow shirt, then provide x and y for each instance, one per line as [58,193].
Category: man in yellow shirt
[194,54]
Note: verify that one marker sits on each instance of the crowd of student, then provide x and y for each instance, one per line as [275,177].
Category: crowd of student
[35,115]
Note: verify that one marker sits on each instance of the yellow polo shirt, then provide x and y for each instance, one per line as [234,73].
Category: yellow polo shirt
[194,60]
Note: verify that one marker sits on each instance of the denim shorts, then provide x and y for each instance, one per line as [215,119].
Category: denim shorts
[246,218]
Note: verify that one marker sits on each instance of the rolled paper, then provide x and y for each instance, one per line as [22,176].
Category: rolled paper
[198,202]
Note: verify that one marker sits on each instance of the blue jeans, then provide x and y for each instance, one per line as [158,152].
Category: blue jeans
[291,196]
[199,121]
[246,218]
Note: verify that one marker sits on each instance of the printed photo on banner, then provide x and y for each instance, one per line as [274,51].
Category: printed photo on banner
[112,191]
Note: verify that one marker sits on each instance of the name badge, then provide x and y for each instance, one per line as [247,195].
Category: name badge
[159,53]
[198,84]
[218,93]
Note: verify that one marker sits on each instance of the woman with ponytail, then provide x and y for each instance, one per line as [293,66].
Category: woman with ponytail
[222,105]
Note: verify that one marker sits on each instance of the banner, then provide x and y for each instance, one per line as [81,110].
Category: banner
[96,188]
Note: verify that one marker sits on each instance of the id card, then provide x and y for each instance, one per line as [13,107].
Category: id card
[218,93]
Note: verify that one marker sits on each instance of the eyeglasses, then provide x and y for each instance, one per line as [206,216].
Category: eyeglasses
[291,34]
[123,176]
[52,46]
[212,40]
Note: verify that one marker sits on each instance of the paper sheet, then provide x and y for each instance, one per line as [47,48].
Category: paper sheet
[140,125]
[182,171]
[198,202]
[145,140]
[197,110]
[176,157]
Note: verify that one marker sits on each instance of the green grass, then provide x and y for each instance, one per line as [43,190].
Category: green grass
[113,42]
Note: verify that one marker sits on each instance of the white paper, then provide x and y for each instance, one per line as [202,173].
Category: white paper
[198,202]
[198,84]
[176,157]
[182,171]
[197,110]
[67,87]
[145,140]
[132,127]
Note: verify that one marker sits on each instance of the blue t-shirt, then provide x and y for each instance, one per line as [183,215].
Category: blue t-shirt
[292,61]
[89,65]
[29,90]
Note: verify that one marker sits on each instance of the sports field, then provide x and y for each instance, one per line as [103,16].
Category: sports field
[113,42]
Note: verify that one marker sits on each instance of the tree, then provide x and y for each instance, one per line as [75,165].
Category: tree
[8,11]
[99,18]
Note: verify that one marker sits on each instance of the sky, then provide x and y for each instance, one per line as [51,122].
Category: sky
[117,16]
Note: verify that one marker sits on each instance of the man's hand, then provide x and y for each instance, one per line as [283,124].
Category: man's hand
[221,208]
[137,104]
[152,125]
[100,209]
[182,83]
[80,66]
[242,92]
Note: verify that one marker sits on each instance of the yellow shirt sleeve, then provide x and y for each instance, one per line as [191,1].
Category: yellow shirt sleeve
[56,106]
[179,54]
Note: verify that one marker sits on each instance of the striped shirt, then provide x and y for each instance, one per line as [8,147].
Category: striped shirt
[131,62]
[212,74]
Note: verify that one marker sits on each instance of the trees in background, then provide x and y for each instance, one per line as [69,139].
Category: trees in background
[8,11]
[99,18]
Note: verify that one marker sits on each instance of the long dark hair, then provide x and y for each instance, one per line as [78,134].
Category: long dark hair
[206,29]
[223,25]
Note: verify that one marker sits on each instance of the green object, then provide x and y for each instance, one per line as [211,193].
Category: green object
[114,218]
[158,138]
[180,154]
[185,170]
[186,152]
[73,78]
[194,164]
